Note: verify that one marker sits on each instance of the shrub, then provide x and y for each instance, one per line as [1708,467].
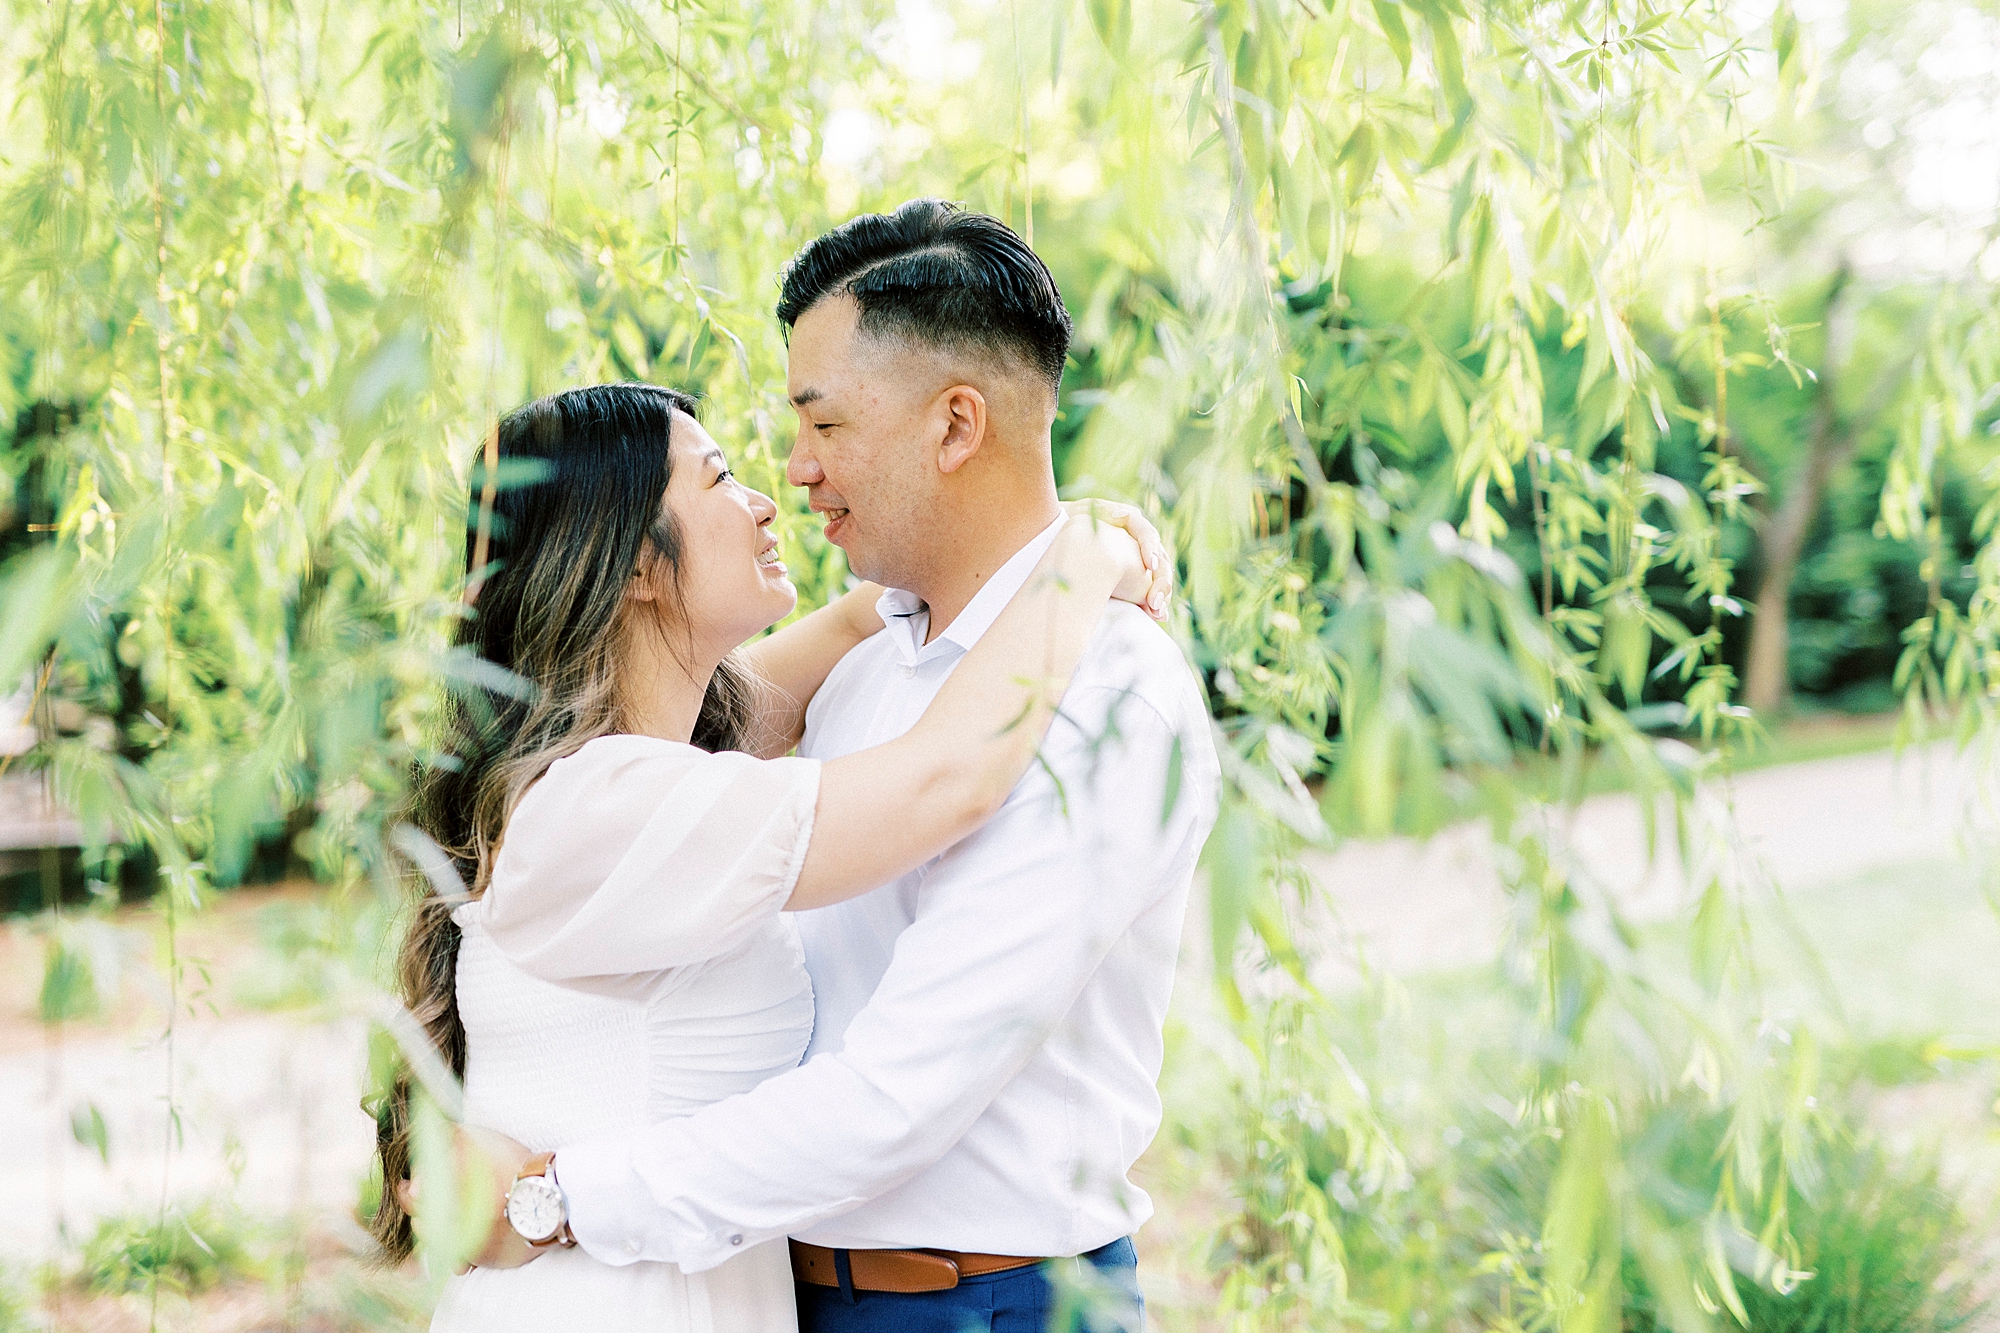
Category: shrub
[1448,1237]
[1886,1243]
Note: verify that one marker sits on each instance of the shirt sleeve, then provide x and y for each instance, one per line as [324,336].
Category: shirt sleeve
[1009,927]
[635,855]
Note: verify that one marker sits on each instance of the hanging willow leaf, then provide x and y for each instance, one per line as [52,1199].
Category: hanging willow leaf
[1231,858]
[87,1127]
[1389,13]
[1450,64]
[38,592]
[1113,21]
[69,986]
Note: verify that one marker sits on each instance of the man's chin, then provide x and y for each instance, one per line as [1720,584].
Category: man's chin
[862,564]
[858,560]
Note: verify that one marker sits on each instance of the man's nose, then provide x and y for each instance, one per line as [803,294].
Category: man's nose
[802,469]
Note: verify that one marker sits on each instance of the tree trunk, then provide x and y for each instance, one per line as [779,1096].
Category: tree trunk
[1767,675]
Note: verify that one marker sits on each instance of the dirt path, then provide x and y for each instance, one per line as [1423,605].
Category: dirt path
[269,1117]
[269,1102]
[1415,906]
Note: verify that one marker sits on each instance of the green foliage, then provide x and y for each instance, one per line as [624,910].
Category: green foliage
[68,990]
[376,1302]
[185,1250]
[1466,1221]
[1886,1244]
[84,962]
[13,1307]
[301,959]
[87,1126]
[1458,349]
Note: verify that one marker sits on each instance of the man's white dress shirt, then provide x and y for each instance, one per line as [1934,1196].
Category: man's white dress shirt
[988,1035]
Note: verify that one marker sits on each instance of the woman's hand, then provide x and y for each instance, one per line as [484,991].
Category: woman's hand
[1150,585]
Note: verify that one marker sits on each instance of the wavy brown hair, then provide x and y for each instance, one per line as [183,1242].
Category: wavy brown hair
[576,506]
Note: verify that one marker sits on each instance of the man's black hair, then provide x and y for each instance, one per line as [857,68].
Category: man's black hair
[933,272]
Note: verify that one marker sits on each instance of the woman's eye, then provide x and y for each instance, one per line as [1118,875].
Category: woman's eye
[724,475]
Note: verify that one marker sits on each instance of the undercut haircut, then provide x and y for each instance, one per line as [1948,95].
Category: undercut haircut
[934,273]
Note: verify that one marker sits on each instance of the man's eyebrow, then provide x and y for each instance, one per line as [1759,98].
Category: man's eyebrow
[804,396]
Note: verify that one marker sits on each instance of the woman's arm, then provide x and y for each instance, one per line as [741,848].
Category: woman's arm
[794,663]
[885,810]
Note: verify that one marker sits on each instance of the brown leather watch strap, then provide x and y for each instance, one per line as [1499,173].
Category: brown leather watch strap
[543,1164]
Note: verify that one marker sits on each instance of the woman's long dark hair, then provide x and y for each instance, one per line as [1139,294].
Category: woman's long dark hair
[576,506]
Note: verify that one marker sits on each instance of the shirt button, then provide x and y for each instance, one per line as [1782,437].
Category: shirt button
[631,1247]
[909,671]
[736,1240]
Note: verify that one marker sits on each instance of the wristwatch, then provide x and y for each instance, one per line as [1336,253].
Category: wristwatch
[535,1206]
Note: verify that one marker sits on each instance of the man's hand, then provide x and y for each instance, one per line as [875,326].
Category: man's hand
[487,1165]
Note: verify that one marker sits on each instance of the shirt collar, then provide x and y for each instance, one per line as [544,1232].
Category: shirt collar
[908,619]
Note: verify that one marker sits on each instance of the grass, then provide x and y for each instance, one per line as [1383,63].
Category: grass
[222,1271]
[187,1251]
[1804,737]
[1904,952]
[13,1306]
[1797,739]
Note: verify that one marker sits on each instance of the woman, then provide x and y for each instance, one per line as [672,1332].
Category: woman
[632,834]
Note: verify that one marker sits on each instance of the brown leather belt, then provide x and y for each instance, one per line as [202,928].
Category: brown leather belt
[896,1270]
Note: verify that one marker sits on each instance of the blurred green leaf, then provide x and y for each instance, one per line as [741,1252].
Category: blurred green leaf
[1113,21]
[87,1127]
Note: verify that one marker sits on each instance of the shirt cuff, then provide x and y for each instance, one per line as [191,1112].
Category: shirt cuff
[609,1205]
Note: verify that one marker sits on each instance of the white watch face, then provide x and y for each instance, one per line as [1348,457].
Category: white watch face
[535,1209]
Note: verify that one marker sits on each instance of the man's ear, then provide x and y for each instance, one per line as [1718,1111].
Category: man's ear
[964,409]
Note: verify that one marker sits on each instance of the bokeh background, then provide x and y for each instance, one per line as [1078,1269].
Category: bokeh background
[1577,422]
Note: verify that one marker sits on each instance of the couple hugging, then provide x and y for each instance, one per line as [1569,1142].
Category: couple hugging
[864,1037]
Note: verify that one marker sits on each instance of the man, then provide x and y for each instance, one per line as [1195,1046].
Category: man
[955,1147]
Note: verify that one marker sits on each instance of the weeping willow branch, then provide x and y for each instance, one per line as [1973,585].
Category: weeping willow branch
[1242,220]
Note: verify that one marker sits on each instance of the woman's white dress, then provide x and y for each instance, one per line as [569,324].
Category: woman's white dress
[630,963]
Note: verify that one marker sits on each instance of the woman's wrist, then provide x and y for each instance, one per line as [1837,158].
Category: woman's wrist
[858,612]
[1089,566]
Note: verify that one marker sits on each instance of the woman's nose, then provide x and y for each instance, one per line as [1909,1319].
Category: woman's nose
[764,507]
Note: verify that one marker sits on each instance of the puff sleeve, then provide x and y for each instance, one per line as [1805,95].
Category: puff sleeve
[634,855]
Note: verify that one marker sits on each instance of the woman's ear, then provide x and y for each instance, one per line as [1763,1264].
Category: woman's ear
[964,426]
[639,588]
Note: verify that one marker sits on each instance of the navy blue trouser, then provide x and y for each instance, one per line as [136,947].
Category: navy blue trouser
[1095,1293]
